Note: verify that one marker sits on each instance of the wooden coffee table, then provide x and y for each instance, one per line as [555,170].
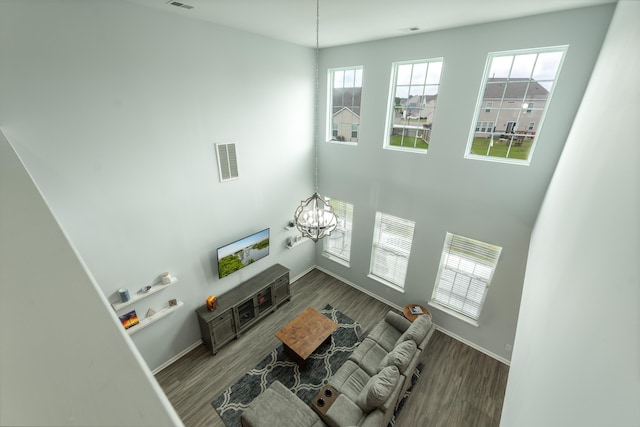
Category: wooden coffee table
[304,334]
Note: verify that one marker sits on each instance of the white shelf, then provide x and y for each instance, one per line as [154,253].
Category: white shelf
[299,242]
[157,316]
[157,287]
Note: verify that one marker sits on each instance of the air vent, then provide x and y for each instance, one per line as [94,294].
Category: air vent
[178,4]
[227,161]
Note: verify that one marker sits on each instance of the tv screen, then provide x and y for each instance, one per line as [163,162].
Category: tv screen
[239,254]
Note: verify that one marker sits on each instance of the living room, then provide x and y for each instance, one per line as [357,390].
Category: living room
[117,128]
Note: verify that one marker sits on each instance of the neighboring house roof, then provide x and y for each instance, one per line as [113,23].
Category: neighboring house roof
[418,99]
[515,89]
[347,109]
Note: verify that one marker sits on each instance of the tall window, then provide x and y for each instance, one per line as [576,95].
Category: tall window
[392,238]
[412,105]
[337,246]
[344,103]
[518,87]
[466,270]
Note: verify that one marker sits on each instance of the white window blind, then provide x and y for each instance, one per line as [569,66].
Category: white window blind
[466,270]
[338,244]
[392,238]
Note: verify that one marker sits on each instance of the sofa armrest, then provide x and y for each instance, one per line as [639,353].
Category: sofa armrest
[397,321]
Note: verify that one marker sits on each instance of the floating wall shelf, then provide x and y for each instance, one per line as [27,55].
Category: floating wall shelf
[140,295]
[299,242]
[157,316]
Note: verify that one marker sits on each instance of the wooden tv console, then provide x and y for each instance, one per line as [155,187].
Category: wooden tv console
[242,306]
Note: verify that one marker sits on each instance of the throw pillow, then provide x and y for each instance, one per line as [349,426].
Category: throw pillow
[378,389]
[400,356]
[417,331]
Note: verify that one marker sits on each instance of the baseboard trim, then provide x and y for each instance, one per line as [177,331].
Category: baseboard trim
[353,285]
[199,342]
[475,346]
[372,295]
[177,356]
[441,329]
[308,270]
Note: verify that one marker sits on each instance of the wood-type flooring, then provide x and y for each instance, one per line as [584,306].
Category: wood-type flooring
[459,386]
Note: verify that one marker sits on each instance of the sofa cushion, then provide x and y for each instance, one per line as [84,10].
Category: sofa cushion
[368,356]
[385,334]
[400,356]
[349,379]
[417,331]
[378,389]
[279,406]
[343,412]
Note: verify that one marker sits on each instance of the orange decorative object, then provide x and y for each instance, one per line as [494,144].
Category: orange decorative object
[212,303]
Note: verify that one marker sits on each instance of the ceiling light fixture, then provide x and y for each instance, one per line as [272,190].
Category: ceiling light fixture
[315,217]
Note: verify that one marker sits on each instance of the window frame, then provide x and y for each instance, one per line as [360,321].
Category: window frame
[486,257]
[381,250]
[344,211]
[481,101]
[330,128]
[391,107]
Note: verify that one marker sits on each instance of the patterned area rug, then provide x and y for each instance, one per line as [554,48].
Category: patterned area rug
[305,383]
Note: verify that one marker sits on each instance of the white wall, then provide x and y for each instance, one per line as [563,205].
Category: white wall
[577,349]
[65,359]
[441,191]
[115,109]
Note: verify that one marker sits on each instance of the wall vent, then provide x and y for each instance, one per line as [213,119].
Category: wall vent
[227,161]
[178,4]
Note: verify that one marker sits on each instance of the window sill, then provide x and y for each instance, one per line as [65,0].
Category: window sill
[336,259]
[333,141]
[453,313]
[405,149]
[386,282]
[498,159]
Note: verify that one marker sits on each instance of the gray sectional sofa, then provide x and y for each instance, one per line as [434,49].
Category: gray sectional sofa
[370,383]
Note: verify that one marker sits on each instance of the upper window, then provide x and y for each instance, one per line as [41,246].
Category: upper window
[392,238]
[345,92]
[466,270]
[516,91]
[337,246]
[412,104]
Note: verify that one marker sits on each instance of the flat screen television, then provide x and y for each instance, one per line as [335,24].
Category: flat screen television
[239,254]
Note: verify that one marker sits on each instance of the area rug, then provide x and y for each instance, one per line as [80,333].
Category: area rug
[305,383]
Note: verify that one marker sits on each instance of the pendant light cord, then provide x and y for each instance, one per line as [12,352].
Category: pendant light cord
[316,123]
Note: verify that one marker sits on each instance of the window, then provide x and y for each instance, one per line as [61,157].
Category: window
[412,104]
[516,85]
[337,246]
[531,127]
[345,93]
[354,131]
[466,270]
[392,237]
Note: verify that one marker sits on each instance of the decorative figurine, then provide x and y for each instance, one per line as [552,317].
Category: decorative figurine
[212,303]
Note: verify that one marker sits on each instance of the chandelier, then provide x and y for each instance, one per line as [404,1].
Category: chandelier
[315,217]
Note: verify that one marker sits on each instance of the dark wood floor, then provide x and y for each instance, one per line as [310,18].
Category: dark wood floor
[459,386]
